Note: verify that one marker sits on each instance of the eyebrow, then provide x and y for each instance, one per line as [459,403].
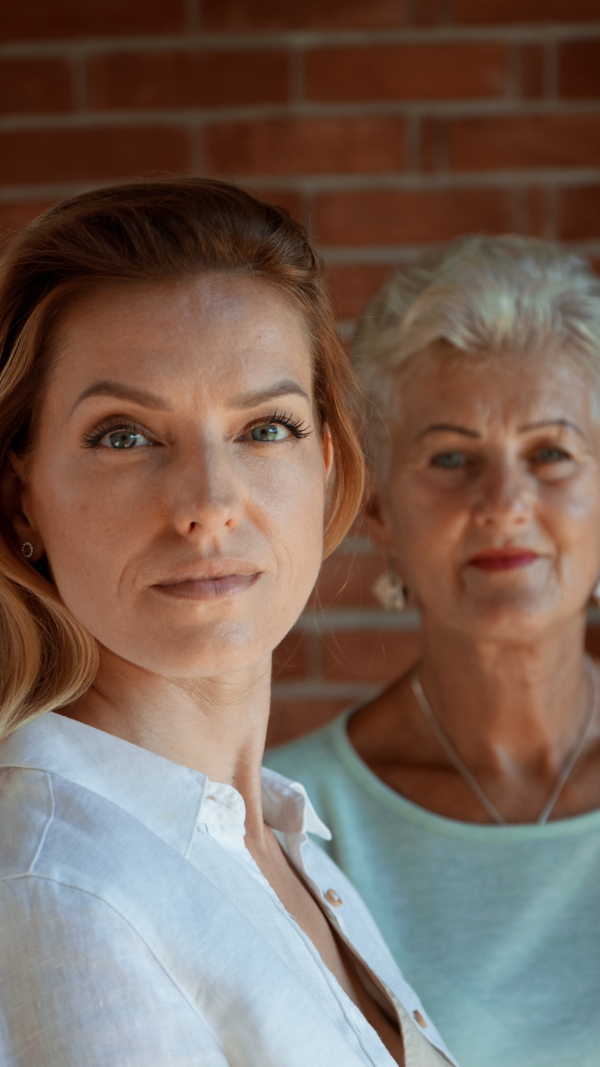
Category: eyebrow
[286,387]
[146,399]
[443,427]
[551,422]
[104,387]
[447,427]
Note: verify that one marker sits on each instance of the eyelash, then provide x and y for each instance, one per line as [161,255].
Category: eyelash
[297,428]
[91,440]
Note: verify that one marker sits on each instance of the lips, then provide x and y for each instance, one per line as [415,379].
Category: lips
[503,559]
[208,588]
[211,580]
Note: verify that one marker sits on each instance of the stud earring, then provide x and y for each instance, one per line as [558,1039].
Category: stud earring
[390,592]
[27,549]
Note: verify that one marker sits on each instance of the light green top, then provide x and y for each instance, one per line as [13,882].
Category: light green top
[496,927]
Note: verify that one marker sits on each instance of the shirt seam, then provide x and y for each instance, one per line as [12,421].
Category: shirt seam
[102,900]
[49,822]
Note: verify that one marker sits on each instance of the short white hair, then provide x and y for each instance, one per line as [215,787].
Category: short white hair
[483,295]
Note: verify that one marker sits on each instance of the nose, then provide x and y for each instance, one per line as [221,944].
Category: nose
[206,495]
[503,496]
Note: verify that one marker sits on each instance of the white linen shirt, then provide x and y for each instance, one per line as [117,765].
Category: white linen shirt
[137,931]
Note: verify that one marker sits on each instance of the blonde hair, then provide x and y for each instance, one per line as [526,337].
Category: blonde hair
[136,234]
[483,295]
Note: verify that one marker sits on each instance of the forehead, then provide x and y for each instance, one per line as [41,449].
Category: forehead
[487,392]
[223,331]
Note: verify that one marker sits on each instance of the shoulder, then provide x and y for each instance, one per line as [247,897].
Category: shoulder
[27,806]
[51,825]
[66,854]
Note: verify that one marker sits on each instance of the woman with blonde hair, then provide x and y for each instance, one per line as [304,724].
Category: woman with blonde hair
[465,798]
[177,451]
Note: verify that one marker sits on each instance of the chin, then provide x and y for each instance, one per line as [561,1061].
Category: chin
[514,618]
[206,653]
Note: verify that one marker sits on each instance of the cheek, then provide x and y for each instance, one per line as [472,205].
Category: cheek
[572,517]
[288,505]
[89,528]
[427,522]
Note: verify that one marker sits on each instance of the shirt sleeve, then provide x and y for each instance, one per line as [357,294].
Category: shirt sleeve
[80,988]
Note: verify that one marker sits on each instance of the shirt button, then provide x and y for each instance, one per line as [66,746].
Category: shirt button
[333,898]
[419,1018]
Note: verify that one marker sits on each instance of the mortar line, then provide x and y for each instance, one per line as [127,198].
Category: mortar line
[534,33]
[452,110]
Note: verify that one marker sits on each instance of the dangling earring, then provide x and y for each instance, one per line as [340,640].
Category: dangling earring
[390,592]
[595,597]
[27,549]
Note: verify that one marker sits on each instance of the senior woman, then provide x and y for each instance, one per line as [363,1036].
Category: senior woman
[464,799]
[177,451]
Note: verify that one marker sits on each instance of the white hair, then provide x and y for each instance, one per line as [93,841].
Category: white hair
[478,295]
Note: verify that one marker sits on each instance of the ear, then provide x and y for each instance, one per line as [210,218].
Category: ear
[12,493]
[378,525]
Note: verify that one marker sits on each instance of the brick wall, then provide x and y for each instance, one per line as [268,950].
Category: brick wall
[384,125]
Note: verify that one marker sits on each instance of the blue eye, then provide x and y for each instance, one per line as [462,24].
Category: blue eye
[123,438]
[269,431]
[550,455]
[449,460]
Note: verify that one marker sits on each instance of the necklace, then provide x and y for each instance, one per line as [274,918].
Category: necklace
[469,778]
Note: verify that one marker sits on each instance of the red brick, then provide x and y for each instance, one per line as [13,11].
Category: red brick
[308,146]
[532,71]
[242,15]
[579,69]
[369,656]
[429,12]
[408,72]
[41,20]
[525,141]
[288,198]
[293,718]
[578,213]
[15,215]
[353,284]
[35,86]
[188,79]
[346,581]
[396,216]
[434,137]
[360,527]
[537,210]
[488,12]
[32,156]
[290,659]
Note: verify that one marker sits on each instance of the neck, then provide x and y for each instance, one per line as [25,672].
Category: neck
[508,704]
[214,725]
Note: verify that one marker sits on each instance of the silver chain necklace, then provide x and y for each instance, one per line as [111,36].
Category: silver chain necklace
[464,771]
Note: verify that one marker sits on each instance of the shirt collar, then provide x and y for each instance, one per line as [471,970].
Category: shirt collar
[168,798]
